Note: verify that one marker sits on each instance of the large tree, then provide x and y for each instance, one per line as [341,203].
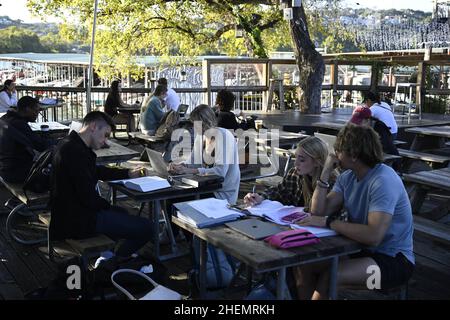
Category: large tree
[127,28]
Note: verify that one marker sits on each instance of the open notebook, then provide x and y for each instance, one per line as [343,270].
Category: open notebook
[144,184]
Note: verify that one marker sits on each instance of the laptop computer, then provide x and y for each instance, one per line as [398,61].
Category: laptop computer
[255,228]
[157,162]
[328,139]
[182,109]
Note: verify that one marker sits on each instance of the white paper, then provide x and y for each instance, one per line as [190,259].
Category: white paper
[212,208]
[145,184]
[273,211]
[318,232]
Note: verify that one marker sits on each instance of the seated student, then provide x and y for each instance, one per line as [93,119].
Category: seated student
[152,113]
[363,116]
[297,187]
[378,211]
[18,141]
[77,209]
[224,162]
[114,101]
[172,100]
[221,146]
[8,96]
[381,110]
[225,103]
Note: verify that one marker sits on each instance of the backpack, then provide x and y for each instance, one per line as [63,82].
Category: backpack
[167,125]
[220,267]
[38,179]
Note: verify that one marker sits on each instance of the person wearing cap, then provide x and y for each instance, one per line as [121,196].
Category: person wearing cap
[363,116]
[381,111]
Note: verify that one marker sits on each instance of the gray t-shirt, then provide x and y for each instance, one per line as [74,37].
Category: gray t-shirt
[381,189]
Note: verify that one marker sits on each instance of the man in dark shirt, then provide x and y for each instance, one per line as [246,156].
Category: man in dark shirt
[18,141]
[77,210]
[225,103]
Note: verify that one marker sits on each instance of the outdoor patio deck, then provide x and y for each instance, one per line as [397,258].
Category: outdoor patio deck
[26,268]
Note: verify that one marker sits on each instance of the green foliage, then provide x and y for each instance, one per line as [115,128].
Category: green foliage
[128,28]
[14,39]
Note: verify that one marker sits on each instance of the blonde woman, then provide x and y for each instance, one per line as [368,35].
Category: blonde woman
[298,186]
[215,152]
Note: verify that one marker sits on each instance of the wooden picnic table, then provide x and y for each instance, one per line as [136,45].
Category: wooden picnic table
[270,137]
[329,126]
[53,126]
[261,257]
[422,181]
[115,153]
[177,190]
[53,107]
[429,137]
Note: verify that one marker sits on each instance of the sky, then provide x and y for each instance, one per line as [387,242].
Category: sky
[16,9]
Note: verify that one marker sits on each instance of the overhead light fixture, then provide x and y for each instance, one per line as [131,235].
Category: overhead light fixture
[288,13]
[239,32]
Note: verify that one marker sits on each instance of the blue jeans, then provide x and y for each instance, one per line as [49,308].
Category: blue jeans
[117,224]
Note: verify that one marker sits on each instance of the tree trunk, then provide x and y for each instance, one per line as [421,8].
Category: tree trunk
[310,64]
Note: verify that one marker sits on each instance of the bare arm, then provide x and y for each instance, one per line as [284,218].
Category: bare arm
[322,202]
[371,234]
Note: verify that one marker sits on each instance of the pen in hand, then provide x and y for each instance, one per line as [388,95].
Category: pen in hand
[254,188]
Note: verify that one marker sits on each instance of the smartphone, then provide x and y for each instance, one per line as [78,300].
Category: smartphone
[295,217]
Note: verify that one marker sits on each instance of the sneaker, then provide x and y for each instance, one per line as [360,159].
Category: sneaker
[105,255]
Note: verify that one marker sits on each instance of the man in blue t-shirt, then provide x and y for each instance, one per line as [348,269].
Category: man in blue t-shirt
[378,211]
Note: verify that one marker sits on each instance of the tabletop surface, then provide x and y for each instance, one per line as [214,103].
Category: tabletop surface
[261,256]
[115,153]
[52,125]
[439,178]
[441,131]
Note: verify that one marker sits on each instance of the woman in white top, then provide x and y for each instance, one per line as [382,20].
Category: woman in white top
[215,152]
[382,111]
[8,96]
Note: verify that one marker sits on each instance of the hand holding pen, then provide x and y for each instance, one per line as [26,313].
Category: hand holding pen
[252,199]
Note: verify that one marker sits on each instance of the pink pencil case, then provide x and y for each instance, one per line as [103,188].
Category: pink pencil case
[292,238]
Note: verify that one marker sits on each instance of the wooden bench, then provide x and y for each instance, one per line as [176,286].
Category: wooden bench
[429,157]
[82,247]
[433,230]
[399,142]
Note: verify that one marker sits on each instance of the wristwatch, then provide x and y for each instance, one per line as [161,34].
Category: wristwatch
[329,220]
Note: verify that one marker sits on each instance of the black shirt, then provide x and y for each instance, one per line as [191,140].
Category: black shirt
[17,142]
[227,120]
[74,200]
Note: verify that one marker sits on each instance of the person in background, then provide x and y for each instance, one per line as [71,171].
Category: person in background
[379,216]
[8,96]
[18,142]
[172,100]
[363,116]
[152,113]
[114,101]
[225,103]
[77,209]
[298,186]
[381,111]
[225,159]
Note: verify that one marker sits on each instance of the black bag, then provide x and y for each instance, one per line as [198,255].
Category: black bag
[38,179]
